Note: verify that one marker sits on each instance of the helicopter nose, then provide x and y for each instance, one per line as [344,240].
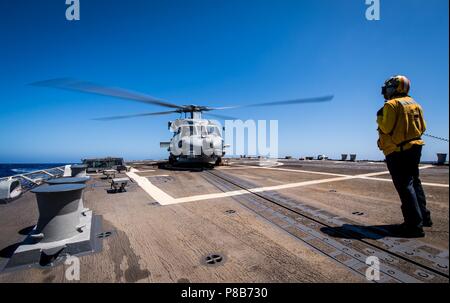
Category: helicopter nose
[216,143]
[191,146]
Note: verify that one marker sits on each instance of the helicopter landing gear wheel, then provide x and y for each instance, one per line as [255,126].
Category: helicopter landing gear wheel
[218,161]
[172,160]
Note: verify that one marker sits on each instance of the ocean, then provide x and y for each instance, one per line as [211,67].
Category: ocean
[14,169]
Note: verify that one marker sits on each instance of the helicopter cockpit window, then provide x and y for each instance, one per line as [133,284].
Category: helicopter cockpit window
[203,131]
[213,130]
[188,131]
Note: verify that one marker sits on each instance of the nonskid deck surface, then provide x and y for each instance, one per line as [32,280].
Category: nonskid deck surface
[299,221]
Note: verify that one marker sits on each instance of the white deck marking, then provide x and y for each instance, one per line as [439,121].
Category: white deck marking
[160,196]
[210,196]
[164,199]
[306,171]
[365,176]
[286,169]
[257,190]
[292,185]
[423,183]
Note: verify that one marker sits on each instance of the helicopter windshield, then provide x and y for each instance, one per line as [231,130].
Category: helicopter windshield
[187,131]
[192,130]
[213,130]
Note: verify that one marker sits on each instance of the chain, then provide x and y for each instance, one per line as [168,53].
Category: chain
[438,138]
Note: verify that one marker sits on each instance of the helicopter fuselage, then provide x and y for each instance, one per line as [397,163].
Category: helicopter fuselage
[196,140]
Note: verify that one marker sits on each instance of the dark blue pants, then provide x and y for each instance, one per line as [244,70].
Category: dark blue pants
[404,169]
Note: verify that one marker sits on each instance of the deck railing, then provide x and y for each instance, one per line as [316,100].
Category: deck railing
[34,178]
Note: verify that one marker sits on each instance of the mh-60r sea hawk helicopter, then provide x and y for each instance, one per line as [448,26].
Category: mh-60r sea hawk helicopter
[194,139]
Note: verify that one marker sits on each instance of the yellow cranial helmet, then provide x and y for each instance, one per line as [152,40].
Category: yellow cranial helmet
[396,86]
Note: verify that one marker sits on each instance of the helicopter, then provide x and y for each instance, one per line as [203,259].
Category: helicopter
[194,140]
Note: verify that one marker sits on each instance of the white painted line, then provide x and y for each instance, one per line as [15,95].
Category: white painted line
[426,166]
[322,173]
[145,171]
[299,184]
[210,196]
[305,171]
[289,185]
[256,190]
[235,167]
[164,199]
[285,169]
[160,196]
[390,180]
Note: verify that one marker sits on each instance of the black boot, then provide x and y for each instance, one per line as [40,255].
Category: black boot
[407,231]
[427,223]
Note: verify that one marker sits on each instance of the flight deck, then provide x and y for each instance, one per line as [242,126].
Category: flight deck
[294,221]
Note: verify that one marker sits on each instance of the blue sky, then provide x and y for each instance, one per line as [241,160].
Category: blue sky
[215,52]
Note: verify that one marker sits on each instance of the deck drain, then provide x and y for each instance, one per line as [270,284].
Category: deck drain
[214,259]
[230,211]
[153,203]
[333,191]
[357,213]
[423,274]
[104,235]
[442,266]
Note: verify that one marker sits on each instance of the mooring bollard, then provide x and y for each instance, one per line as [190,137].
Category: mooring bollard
[353,157]
[58,211]
[441,158]
[79,170]
[79,180]
[344,157]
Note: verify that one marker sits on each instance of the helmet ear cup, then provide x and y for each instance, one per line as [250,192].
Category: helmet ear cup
[403,85]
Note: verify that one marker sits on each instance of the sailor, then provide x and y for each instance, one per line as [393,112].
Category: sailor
[400,126]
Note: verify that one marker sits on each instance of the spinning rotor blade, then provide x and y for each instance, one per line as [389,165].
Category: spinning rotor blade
[287,102]
[88,87]
[135,115]
[220,116]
